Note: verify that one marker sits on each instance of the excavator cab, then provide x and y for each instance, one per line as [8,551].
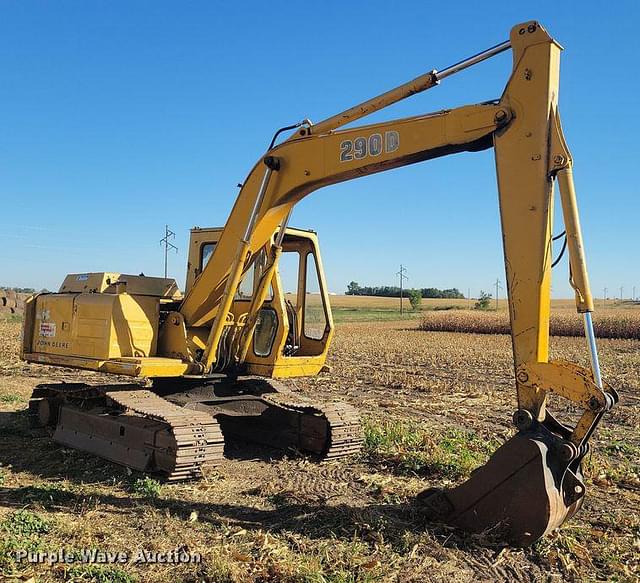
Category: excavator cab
[294,326]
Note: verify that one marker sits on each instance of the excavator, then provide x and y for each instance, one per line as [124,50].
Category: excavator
[204,367]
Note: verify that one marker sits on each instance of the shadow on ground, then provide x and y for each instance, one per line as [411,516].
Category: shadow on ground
[314,521]
[32,450]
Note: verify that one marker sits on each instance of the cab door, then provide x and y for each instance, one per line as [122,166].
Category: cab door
[295,325]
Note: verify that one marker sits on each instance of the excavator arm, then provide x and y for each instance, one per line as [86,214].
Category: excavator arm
[533,483]
[302,165]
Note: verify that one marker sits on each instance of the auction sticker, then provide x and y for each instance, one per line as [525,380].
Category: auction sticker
[48,329]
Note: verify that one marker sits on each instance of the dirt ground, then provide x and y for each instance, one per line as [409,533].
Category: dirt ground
[266,516]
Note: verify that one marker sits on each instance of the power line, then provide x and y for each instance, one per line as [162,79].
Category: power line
[168,234]
[498,288]
[402,276]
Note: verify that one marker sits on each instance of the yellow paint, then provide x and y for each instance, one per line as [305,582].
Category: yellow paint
[95,325]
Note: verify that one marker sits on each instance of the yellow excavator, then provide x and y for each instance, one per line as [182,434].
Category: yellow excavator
[204,366]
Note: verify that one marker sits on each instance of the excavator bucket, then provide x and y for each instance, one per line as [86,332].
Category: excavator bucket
[529,487]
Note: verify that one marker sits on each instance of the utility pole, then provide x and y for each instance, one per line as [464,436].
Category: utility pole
[402,276]
[621,288]
[605,295]
[498,287]
[633,295]
[168,234]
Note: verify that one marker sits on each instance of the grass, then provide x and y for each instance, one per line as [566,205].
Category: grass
[287,519]
[20,530]
[100,574]
[411,450]
[9,399]
[147,487]
[11,318]
[48,493]
[355,314]
[576,550]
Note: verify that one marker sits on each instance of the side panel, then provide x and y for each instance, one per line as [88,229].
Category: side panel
[96,326]
[51,330]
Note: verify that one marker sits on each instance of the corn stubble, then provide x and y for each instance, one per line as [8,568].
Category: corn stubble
[612,324]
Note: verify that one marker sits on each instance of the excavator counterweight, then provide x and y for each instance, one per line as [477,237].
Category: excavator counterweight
[210,357]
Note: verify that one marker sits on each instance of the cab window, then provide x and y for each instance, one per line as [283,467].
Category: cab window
[315,317]
[205,254]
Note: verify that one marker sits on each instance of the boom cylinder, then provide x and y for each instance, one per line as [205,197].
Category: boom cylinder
[417,85]
[577,261]
[234,277]
[483,56]
[579,277]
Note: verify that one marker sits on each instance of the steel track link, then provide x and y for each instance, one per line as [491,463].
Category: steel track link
[345,433]
[195,437]
[198,439]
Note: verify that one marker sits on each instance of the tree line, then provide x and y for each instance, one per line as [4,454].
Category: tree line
[390,291]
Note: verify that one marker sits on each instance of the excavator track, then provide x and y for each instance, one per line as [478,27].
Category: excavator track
[198,439]
[177,433]
[129,425]
[344,434]
[264,411]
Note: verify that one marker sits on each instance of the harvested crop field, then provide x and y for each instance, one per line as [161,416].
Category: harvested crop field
[610,323]
[435,403]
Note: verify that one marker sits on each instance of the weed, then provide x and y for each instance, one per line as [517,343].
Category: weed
[409,449]
[9,399]
[24,523]
[147,487]
[100,574]
[21,530]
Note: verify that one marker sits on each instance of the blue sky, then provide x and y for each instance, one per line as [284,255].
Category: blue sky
[118,117]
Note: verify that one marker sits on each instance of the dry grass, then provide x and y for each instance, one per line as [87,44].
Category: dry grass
[621,323]
[435,404]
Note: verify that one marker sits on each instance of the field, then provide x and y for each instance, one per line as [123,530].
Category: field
[621,322]
[435,403]
[367,308]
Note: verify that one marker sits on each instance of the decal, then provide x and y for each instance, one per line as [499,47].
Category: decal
[82,277]
[47,329]
[373,146]
[53,344]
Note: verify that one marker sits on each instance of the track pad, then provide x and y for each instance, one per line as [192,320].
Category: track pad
[524,491]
